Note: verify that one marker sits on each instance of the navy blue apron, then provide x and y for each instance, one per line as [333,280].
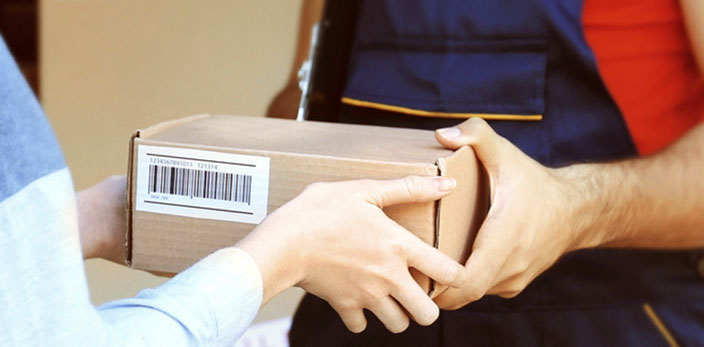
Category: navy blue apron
[526,67]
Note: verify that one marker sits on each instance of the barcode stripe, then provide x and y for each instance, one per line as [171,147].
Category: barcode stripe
[196,183]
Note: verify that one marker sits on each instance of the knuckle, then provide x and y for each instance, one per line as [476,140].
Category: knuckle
[474,296]
[369,190]
[393,250]
[389,281]
[513,288]
[478,125]
[347,305]
[512,292]
[521,266]
[450,273]
[396,248]
[375,296]
[473,293]
[375,292]
[412,185]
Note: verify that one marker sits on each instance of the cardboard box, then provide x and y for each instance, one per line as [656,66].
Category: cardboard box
[202,183]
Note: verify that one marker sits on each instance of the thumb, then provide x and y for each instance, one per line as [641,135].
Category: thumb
[409,189]
[476,132]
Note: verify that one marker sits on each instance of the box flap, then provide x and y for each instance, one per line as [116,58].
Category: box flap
[307,138]
[461,213]
[163,126]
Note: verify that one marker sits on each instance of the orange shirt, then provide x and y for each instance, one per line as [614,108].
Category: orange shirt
[645,60]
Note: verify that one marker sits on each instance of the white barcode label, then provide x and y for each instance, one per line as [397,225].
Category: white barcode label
[202,184]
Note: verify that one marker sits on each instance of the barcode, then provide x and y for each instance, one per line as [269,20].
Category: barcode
[200,183]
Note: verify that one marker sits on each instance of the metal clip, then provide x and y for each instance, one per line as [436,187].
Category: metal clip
[305,73]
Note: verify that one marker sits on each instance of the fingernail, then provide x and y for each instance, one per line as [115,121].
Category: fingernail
[449,132]
[444,184]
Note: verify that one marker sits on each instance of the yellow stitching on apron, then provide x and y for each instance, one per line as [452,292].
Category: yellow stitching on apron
[660,325]
[424,113]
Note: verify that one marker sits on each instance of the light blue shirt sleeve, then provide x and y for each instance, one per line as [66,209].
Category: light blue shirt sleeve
[213,301]
[44,299]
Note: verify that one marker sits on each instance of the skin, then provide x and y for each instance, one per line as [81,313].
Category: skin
[693,12]
[348,253]
[102,219]
[653,202]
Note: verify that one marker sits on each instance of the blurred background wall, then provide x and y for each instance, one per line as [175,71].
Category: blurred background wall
[107,67]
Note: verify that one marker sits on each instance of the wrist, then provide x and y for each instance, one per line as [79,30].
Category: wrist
[90,240]
[587,205]
[276,256]
[101,220]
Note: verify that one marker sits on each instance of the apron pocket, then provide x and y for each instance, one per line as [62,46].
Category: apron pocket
[493,79]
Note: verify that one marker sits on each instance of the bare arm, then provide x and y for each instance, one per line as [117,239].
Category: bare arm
[101,219]
[285,103]
[362,264]
[693,12]
[652,202]
[539,213]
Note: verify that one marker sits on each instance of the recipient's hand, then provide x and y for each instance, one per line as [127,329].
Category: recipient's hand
[101,219]
[334,241]
[530,223]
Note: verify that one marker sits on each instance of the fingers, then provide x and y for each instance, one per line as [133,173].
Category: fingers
[475,132]
[387,310]
[352,317]
[408,189]
[452,299]
[508,288]
[480,273]
[389,313]
[472,132]
[416,302]
[483,267]
[433,263]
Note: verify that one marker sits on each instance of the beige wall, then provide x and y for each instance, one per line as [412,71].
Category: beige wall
[108,67]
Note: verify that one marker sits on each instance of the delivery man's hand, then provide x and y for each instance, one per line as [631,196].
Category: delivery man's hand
[334,241]
[530,223]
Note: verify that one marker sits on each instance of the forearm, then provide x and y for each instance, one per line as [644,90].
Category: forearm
[652,202]
[693,12]
[211,303]
[101,219]
[278,264]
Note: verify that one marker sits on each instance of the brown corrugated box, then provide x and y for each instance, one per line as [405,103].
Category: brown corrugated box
[300,153]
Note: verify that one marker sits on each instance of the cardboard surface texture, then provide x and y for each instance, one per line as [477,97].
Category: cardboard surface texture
[299,153]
